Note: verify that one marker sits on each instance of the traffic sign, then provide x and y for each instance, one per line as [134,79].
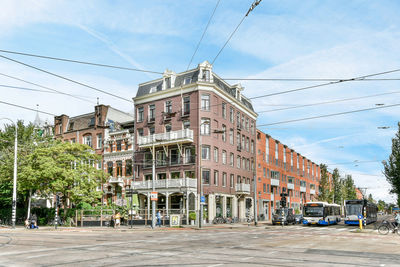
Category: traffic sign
[360,217]
[154,196]
[202,199]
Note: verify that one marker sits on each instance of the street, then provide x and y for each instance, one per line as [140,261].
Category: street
[223,245]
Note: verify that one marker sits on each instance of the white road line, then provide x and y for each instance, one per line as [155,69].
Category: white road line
[215,265]
[38,256]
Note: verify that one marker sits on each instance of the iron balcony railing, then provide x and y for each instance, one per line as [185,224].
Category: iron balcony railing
[185,135]
[166,183]
[243,188]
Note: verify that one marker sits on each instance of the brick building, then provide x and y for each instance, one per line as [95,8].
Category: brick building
[93,129]
[181,117]
[282,170]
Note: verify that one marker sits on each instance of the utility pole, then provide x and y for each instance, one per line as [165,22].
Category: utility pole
[153,202]
[255,198]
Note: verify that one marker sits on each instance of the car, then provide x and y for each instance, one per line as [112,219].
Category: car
[298,218]
[288,217]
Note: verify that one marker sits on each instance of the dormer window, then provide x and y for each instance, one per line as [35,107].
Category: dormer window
[187,80]
[153,89]
[167,82]
[206,75]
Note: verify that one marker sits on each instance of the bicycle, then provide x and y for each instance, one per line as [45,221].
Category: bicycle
[387,226]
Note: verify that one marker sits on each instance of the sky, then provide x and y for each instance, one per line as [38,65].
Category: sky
[334,39]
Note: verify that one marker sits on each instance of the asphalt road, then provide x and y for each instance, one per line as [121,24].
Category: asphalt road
[239,245]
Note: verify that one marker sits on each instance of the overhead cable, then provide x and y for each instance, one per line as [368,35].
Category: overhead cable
[328,115]
[31,109]
[79,62]
[67,79]
[202,36]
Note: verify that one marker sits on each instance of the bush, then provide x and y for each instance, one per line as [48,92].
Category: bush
[192,215]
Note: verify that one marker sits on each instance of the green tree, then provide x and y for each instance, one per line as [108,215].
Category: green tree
[371,199]
[324,190]
[337,187]
[381,205]
[349,191]
[392,166]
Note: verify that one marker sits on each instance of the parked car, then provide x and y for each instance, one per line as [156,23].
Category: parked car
[299,218]
[288,217]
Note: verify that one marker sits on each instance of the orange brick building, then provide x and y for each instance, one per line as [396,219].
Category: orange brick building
[282,170]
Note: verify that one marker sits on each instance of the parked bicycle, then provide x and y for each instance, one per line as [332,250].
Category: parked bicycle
[219,220]
[387,226]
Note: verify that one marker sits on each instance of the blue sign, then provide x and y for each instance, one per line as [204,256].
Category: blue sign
[360,217]
[202,199]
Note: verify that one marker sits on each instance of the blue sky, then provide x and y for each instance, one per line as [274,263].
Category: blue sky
[279,39]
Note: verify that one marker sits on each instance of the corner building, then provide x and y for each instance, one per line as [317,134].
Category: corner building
[283,170]
[196,125]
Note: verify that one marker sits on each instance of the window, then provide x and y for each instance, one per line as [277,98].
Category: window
[215,154]
[243,141]
[252,147]
[119,168]
[206,176]
[223,110]
[140,114]
[73,141]
[223,157]
[168,106]
[205,152]
[99,141]
[111,147]
[206,75]
[264,188]
[252,127]
[87,140]
[153,89]
[140,131]
[128,167]
[168,128]
[186,105]
[167,82]
[152,112]
[174,157]
[161,158]
[231,137]
[276,150]
[238,120]
[224,133]
[231,115]
[232,180]
[187,80]
[247,144]
[189,155]
[126,145]
[110,168]
[265,172]
[189,174]
[231,159]
[243,163]
[152,130]
[238,141]
[119,142]
[205,126]
[216,182]
[239,180]
[186,124]
[238,161]
[224,179]
[205,102]
[247,124]
[267,149]
[175,175]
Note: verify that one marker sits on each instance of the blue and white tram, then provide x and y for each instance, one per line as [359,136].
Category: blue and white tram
[321,213]
[357,207]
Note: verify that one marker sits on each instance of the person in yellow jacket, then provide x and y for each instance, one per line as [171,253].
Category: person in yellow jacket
[117,218]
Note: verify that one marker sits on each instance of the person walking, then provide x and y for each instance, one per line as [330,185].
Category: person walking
[158,215]
[397,219]
[117,222]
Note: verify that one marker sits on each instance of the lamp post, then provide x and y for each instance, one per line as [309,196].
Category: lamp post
[14,196]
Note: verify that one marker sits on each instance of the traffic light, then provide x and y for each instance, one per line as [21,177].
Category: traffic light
[58,199]
[283,200]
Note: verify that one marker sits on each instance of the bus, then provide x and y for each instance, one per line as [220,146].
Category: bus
[363,207]
[321,213]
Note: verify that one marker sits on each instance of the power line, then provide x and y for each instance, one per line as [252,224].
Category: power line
[328,115]
[79,62]
[306,79]
[202,36]
[325,84]
[31,109]
[354,162]
[67,79]
[330,102]
[255,3]
[47,88]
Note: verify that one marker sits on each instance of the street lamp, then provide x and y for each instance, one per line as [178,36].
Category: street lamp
[14,197]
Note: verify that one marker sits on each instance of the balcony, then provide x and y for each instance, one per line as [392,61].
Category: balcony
[166,183]
[312,191]
[169,138]
[290,186]
[274,182]
[242,188]
[114,180]
[303,189]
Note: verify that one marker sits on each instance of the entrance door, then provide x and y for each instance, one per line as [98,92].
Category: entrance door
[266,212]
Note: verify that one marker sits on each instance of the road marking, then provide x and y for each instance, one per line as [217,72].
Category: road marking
[215,265]
[248,258]
[38,256]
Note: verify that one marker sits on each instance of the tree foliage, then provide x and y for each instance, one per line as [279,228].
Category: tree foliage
[47,167]
[349,190]
[337,187]
[392,166]
[324,187]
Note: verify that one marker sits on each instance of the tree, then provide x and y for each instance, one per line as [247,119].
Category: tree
[324,188]
[392,166]
[337,187]
[349,191]
[371,199]
[381,205]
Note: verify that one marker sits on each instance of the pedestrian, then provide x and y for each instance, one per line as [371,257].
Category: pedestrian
[397,219]
[158,215]
[34,222]
[117,222]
